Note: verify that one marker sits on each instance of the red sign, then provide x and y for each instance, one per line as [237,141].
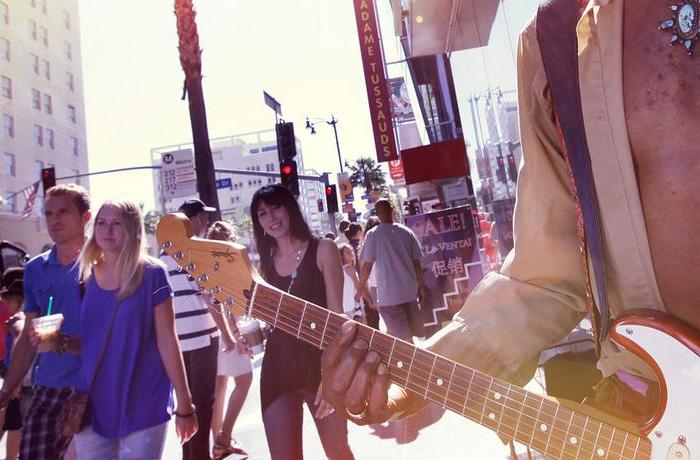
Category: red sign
[435,161]
[375,80]
[396,169]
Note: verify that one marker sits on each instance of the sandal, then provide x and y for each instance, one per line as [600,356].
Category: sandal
[225,445]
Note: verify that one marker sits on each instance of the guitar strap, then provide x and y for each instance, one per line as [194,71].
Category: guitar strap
[556,34]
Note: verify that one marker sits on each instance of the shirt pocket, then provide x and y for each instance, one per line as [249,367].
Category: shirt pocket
[41,297]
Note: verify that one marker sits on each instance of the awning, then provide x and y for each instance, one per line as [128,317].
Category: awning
[443,26]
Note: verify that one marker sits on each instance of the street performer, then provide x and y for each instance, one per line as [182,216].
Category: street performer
[641,113]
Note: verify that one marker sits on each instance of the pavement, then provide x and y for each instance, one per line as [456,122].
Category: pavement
[434,433]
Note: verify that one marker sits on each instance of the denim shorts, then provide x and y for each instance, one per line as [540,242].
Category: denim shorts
[142,445]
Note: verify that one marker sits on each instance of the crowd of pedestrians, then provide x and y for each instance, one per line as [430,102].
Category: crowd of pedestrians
[135,329]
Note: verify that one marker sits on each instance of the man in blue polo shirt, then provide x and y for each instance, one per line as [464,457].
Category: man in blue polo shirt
[51,278]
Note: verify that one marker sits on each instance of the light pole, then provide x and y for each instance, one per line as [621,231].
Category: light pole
[310,123]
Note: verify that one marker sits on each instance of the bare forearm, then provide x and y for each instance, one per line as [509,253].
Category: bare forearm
[365,270]
[22,358]
[221,322]
[170,354]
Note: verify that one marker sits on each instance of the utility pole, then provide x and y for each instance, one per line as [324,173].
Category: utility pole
[191,61]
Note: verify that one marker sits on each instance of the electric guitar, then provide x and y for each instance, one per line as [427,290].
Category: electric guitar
[223,270]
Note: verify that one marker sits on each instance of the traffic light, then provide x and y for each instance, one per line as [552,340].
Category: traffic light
[48,178]
[331,199]
[286,144]
[501,169]
[290,179]
[512,168]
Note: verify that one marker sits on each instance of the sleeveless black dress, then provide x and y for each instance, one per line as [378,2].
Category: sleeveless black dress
[289,364]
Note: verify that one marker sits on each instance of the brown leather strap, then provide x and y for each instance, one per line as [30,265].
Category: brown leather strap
[556,34]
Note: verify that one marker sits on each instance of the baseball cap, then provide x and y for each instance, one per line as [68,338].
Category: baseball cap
[193,207]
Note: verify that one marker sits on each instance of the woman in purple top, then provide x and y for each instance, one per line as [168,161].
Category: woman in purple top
[130,400]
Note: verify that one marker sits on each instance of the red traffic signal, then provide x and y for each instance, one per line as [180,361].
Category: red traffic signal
[289,177]
[331,199]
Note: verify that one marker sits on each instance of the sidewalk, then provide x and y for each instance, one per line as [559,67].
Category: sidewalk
[435,434]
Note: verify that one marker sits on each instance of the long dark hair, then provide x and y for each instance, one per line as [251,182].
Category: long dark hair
[276,195]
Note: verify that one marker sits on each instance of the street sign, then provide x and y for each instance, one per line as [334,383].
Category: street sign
[272,103]
[178,177]
[224,183]
[345,188]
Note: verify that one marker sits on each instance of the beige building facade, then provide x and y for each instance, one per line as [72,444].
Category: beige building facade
[42,116]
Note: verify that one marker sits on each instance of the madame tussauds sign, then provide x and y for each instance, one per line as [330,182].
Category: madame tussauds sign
[375,80]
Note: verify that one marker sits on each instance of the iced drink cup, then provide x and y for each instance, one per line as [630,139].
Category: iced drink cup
[46,326]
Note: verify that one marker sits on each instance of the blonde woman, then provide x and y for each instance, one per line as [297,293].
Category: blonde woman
[234,361]
[130,396]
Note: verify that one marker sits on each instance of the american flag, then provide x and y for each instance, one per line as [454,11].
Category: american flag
[30,196]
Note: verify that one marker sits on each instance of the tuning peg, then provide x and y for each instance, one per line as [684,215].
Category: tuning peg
[167,245]
[202,278]
[190,267]
[216,290]
[178,255]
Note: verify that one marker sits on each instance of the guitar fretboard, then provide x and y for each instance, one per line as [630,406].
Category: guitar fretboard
[510,411]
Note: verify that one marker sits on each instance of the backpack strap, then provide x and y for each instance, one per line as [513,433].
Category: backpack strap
[556,34]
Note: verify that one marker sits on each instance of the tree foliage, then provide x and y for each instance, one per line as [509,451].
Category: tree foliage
[366,173]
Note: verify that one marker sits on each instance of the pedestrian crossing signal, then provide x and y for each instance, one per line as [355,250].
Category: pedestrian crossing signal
[331,199]
[48,178]
[289,177]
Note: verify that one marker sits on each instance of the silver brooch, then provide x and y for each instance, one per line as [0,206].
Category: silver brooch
[684,25]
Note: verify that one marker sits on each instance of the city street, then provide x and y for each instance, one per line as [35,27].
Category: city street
[433,434]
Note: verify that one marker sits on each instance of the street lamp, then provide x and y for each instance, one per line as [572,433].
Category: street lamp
[310,123]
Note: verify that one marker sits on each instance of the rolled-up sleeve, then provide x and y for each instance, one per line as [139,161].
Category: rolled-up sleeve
[539,295]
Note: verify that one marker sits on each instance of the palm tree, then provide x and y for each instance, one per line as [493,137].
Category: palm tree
[366,173]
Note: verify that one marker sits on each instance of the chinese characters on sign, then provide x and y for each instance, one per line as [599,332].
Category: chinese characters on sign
[451,261]
[375,80]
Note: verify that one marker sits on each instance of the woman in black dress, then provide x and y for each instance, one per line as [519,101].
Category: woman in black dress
[292,260]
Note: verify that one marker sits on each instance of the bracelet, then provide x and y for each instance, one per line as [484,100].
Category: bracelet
[4,397]
[62,344]
[188,414]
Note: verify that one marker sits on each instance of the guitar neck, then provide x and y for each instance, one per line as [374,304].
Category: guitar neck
[510,411]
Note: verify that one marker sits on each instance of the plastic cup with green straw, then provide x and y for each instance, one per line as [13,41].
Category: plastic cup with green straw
[48,310]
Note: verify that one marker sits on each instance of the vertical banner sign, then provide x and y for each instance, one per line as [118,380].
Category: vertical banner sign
[451,261]
[375,80]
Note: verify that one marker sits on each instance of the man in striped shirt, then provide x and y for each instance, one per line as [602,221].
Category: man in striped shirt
[198,332]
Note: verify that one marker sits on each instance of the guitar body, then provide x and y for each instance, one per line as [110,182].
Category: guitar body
[672,350]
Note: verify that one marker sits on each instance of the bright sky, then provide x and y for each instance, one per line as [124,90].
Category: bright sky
[305,53]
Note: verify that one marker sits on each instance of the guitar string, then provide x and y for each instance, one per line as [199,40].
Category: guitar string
[524,404]
[294,324]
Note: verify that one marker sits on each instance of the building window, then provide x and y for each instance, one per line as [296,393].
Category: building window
[4,13]
[70,81]
[43,6]
[6,87]
[12,203]
[4,49]
[31,29]
[46,69]
[66,19]
[71,113]
[68,50]
[48,106]
[44,35]
[50,140]
[34,60]
[10,164]
[38,133]
[8,125]
[39,166]
[36,99]
[74,145]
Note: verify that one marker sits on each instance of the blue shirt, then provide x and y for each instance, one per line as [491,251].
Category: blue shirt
[132,391]
[45,277]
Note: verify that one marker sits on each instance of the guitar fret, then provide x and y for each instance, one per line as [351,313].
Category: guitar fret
[551,429]
[325,326]
[410,365]
[636,447]
[595,442]
[500,419]
[252,299]
[430,376]
[371,337]
[486,398]
[580,441]
[466,396]
[277,313]
[301,320]
[391,353]
[449,384]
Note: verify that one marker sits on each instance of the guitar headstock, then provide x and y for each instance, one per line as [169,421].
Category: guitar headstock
[221,268]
